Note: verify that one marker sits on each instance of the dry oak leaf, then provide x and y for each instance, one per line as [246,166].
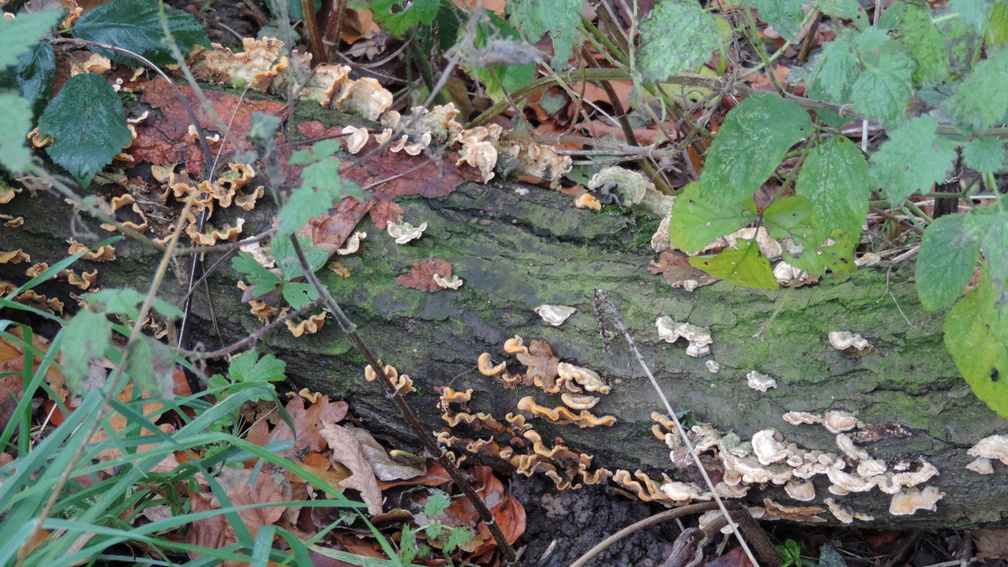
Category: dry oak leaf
[507,512]
[541,363]
[421,276]
[347,450]
[678,272]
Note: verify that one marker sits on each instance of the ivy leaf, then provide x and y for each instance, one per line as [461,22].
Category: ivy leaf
[911,160]
[985,154]
[678,36]
[135,25]
[925,44]
[945,262]
[15,123]
[85,337]
[18,35]
[87,122]
[744,265]
[697,219]
[398,22]
[982,99]
[151,366]
[883,87]
[785,16]
[975,334]
[560,18]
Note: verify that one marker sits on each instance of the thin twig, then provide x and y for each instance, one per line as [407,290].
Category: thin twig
[193,354]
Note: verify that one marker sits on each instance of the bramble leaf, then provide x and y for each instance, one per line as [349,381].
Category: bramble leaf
[975,334]
[697,219]
[982,99]
[678,36]
[925,44]
[744,265]
[945,262]
[135,25]
[87,122]
[17,36]
[418,12]
[560,18]
[985,154]
[15,123]
[785,16]
[85,337]
[913,159]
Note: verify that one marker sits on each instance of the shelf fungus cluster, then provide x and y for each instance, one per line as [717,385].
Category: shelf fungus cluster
[987,450]
[768,459]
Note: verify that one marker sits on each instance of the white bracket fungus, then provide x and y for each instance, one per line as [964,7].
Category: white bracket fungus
[908,501]
[404,232]
[843,340]
[993,447]
[713,366]
[554,314]
[981,465]
[699,337]
[801,490]
[629,185]
[839,421]
[760,381]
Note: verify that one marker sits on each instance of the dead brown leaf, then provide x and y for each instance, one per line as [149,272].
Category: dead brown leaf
[421,276]
[348,451]
[675,266]
[540,361]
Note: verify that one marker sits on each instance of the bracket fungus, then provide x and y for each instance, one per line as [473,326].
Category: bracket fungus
[554,314]
[907,502]
[759,381]
[852,344]
[629,186]
[582,377]
[699,338]
[992,447]
[404,232]
[563,416]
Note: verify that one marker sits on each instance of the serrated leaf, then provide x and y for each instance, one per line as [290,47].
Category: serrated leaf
[499,80]
[122,301]
[698,219]
[973,13]
[87,122]
[32,76]
[151,366]
[975,336]
[135,25]
[15,123]
[994,245]
[248,367]
[678,36]
[835,179]
[560,18]
[785,16]
[985,154]
[85,337]
[834,76]
[299,294]
[749,146]
[883,87]
[945,262]
[744,266]
[287,260]
[398,22]
[17,36]
[262,280]
[982,99]
[436,503]
[997,26]
[925,44]
[913,159]
[303,204]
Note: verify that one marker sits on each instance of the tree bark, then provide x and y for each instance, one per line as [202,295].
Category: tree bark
[516,251]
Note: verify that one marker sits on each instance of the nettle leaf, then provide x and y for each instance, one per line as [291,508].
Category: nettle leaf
[785,16]
[849,9]
[246,368]
[945,262]
[982,99]
[973,13]
[32,76]
[975,335]
[15,123]
[87,122]
[698,219]
[997,26]
[994,245]
[678,36]
[985,154]
[925,44]
[151,366]
[913,159]
[750,145]
[499,80]
[835,74]
[883,86]
[399,17]
[560,18]
[135,25]
[744,266]
[17,36]
[85,337]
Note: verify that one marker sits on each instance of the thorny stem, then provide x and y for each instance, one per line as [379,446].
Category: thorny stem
[422,434]
[602,297]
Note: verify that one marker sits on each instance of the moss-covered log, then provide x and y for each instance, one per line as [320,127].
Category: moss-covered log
[519,247]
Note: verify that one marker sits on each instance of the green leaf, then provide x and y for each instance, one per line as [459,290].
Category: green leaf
[973,13]
[697,219]
[15,123]
[287,260]
[945,262]
[925,44]
[398,17]
[560,18]
[122,301]
[87,122]
[883,87]
[151,366]
[499,80]
[823,245]
[135,25]
[436,503]
[744,265]
[678,36]
[985,154]
[982,99]
[17,36]
[997,26]
[994,245]
[299,294]
[750,145]
[848,9]
[913,159]
[304,204]
[166,308]
[262,280]
[785,16]
[86,336]
[835,179]
[975,332]
[32,76]
[248,367]
[835,74]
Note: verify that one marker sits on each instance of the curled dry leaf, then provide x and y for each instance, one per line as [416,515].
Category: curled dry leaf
[678,272]
[347,450]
